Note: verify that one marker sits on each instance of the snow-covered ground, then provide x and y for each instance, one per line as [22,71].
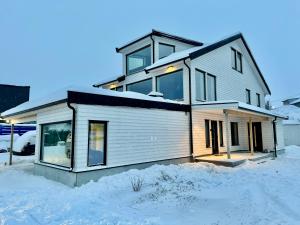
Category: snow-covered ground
[258,193]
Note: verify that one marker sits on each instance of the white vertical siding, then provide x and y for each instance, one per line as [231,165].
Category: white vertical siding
[291,134]
[134,135]
[280,134]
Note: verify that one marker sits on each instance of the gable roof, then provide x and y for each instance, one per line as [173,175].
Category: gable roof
[161,34]
[206,49]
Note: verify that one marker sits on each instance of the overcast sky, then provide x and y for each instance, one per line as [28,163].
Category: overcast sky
[52,44]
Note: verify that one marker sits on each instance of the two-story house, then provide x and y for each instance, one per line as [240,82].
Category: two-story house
[176,100]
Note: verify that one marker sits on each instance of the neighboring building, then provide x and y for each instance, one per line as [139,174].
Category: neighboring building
[11,96]
[292,101]
[213,102]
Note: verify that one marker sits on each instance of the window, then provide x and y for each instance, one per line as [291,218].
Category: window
[144,86]
[171,85]
[120,88]
[234,134]
[258,100]
[221,133]
[207,133]
[211,88]
[248,96]
[200,85]
[97,143]
[165,50]
[236,60]
[56,141]
[138,60]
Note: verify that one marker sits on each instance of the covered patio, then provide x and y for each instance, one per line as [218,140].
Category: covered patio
[232,132]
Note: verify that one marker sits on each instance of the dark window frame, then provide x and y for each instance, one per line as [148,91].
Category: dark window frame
[221,136]
[236,54]
[139,49]
[258,101]
[215,85]
[248,96]
[235,140]
[42,141]
[136,82]
[161,43]
[207,133]
[165,74]
[204,74]
[105,123]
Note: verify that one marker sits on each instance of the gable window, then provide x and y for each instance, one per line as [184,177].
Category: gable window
[143,87]
[248,96]
[258,100]
[211,87]
[200,85]
[207,134]
[221,133]
[236,60]
[56,141]
[138,60]
[165,50]
[234,134]
[97,143]
[171,85]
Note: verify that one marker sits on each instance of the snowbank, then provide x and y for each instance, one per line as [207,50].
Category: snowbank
[22,141]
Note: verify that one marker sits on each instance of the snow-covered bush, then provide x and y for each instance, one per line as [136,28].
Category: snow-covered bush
[136,183]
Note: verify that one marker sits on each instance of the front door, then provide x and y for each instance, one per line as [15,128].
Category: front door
[214,137]
[257,137]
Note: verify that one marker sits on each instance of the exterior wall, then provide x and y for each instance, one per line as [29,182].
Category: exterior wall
[134,135]
[280,134]
[291,134]
[199,132]
[231,84]
[49,115]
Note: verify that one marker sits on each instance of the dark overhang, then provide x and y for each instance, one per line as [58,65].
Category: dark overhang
[97,99]
[119,79]
[162,34]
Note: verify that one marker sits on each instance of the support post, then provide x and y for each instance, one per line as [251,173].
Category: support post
[227,134]
[251,137]
[11,143]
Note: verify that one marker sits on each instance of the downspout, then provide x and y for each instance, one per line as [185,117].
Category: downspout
[275,137]
[191,116]
[153,50]
[73,133]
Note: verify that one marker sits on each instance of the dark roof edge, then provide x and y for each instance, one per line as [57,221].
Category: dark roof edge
[223,42]
[12,85]
[36,108]
[96,99]
[162,34]
[119,79]
[263,113]
[175,61]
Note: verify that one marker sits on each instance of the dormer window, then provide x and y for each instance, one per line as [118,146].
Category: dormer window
[236,60]
[138,60]
[165,50]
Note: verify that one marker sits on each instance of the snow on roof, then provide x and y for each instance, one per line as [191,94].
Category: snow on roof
[243,105]
[295,102]
[62,95]
[291,111]
[174,57]
[291,122]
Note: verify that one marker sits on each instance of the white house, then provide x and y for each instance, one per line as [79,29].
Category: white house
[213,102]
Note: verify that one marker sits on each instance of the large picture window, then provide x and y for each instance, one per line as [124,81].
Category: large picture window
[171,85]
[200,86]
[56,141]
[138,60]
[234,134]
[97,143]
[165,50]
[144,87]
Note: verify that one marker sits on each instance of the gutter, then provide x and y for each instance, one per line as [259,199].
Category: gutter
[275,136]
[73,133]
[191,115]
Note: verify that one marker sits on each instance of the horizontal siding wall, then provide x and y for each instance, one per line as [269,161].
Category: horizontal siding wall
[199,132]
[49,115]
[134,135]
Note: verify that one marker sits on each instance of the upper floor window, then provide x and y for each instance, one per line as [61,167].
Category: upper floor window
[236,60]
[138,60]
[205,86]
[248,96]
[144,86]
[165,50]
[120,88]
[258,100]
[171,85]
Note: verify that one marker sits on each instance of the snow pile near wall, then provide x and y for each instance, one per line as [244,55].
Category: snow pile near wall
[22,141]
[291,111]
[5,141]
